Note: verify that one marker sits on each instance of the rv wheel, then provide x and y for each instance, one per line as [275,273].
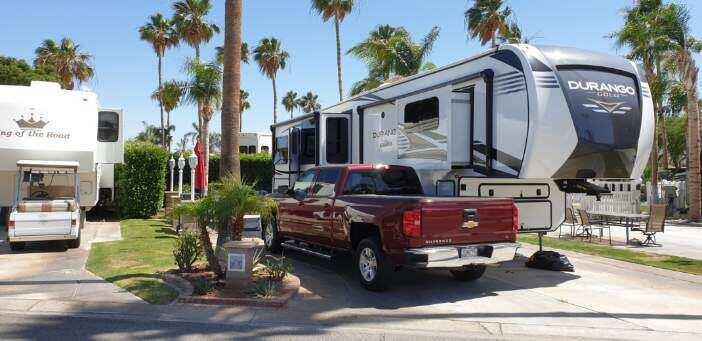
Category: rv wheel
[469,273]
[17,246]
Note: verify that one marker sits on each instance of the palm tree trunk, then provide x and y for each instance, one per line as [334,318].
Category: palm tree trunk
[493,39]
[212,260]
[160,103]
[168,125]
[205,140]
[275,102]
[664,143]
[688,74]
[231,108]
[338,59]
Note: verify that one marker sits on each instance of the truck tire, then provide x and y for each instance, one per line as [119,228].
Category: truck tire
[469,273]
[269,234]
[17,246]
[371,265]
[74,243]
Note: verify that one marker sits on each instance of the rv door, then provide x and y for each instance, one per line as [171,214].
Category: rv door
[110,147]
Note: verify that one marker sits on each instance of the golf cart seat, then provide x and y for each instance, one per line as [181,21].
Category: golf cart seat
[60,205]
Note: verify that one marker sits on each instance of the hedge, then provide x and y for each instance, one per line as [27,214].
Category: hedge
[256,169]
[141,180]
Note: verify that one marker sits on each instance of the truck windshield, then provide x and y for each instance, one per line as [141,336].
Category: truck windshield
[391,181]
[49,185]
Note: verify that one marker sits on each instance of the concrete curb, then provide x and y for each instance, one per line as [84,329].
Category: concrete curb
[184,288]
[291,285]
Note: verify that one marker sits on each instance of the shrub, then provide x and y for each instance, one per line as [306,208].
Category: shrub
[202,286]
[256,169]
[187,250]
[141,180]
[265,289]
[277,268]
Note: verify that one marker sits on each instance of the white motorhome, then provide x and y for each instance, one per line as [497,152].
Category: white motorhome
[252,143]
[47,128]
[521,121]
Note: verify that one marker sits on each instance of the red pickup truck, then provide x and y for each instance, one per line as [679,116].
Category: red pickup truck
[380,214]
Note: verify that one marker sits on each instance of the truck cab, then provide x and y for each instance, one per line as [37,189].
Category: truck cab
[46,205]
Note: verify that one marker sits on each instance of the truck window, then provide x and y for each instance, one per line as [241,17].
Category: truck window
[326,180]
[393,181]
[337,136]
[303,183]
[108,126]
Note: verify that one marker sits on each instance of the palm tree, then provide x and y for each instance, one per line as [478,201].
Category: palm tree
[244,105]
[161,34]
[205,87]
[169,95]
[233,53]
[486,19]
[675,20]
[69,62]
[271,57]
[337,9]
[150,134]
[643,35]
[244,53]
[290,102]
[309,103]
[390,52]
[191,22]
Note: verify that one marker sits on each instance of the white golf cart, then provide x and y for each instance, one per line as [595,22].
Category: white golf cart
[46,204]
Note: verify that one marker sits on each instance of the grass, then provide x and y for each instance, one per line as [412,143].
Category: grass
[132,263]
[674,263]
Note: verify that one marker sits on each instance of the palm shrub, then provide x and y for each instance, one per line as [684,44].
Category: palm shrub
[187,250]
[203,210]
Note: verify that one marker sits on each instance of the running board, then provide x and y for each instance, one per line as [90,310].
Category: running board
[293,246]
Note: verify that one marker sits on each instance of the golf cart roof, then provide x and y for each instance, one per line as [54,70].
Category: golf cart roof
[48,164]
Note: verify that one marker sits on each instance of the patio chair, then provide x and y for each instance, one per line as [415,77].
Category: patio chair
[588,226]
[570,220]
[655,224]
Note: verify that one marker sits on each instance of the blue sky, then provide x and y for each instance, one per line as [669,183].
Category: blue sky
[126,66]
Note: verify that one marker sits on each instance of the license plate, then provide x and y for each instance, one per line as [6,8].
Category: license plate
[468,252]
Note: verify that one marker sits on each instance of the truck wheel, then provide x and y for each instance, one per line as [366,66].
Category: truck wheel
[17,246]
[271,240]
[75,243]
[371,265]
[469,273]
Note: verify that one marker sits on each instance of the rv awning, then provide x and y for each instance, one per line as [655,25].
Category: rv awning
[52,164]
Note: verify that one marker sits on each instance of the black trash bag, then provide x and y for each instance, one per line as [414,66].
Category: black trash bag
[549,260]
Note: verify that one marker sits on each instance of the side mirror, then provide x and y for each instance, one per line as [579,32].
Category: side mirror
[290,192]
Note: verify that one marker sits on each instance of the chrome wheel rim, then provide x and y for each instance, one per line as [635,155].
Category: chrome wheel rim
[368,264]
[269,234]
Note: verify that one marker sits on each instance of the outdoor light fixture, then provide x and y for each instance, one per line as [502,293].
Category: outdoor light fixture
[181,165]
[171,166]
[192,161]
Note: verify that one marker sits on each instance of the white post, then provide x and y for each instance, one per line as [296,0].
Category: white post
[192,161]
[181,165]
[171,166]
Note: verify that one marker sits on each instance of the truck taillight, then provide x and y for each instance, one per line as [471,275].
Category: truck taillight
[10,224]
[515,217]
[412,223]
[73,222]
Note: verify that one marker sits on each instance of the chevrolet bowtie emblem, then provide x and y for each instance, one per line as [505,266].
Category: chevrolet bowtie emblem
[470,224]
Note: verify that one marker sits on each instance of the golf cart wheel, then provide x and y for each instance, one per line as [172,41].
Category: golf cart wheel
[17,246]
[371,266]
[468,273]
[269,234]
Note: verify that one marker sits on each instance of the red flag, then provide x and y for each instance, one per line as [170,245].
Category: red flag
[200,178]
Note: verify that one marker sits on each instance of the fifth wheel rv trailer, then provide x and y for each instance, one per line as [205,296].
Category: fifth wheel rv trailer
[526,122]
[252,143]
[42,122]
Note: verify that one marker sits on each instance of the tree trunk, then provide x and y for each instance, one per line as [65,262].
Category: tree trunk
[338,59]
[231,108]
[205,140]
[493,39]
[160,103]
[207,245]
[168,125]
[664,144]
[688,74]
[275,102]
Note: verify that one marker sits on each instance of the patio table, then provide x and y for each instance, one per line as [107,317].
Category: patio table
[627,220]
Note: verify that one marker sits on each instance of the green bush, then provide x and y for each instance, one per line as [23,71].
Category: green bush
[141,180]
[187,250]
[277,268]
[265,289]
[257,169]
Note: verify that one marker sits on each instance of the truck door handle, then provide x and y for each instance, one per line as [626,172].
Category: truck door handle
[470,213]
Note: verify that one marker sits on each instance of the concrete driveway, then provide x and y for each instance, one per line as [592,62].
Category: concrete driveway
[47,270]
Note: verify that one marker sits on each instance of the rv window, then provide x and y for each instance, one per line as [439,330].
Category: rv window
[264,149]
[294,141]
[421,111]
[242,149]
[108,126]
[252,149]
[337,140]
[281,150]
[308,146]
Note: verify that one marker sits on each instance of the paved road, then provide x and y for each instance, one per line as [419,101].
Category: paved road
[47,270]
[601,299]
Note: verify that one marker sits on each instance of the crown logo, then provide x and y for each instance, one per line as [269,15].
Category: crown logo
[31,123]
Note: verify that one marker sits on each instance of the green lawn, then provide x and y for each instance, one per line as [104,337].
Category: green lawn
[681,264]
[131,263]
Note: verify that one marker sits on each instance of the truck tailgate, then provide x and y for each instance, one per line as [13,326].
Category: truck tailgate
[467,221]
[42,223]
